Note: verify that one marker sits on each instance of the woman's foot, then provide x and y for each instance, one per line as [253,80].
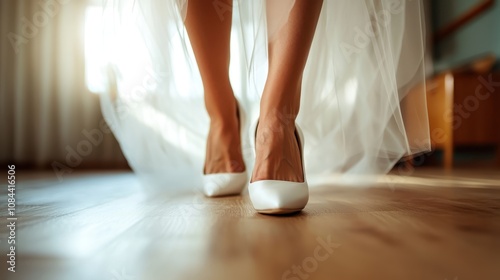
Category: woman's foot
[281,188]
[277,151]
[223,151]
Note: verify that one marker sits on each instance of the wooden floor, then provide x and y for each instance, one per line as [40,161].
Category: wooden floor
[98,226]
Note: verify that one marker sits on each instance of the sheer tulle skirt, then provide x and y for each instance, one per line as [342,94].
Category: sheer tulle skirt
[363,99]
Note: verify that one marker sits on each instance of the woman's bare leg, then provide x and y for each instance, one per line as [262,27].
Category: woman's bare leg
[278,156]
[209,28]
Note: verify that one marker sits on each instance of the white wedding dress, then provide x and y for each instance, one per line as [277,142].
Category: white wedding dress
[363,102]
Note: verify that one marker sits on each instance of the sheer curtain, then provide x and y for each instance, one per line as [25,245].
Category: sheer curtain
[47,114]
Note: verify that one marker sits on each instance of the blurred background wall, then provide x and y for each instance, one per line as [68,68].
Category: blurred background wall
[476,38]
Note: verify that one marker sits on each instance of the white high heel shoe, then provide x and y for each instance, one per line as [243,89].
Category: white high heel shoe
[223,184]
[280,197]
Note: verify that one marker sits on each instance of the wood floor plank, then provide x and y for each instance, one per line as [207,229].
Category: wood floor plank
[95,226]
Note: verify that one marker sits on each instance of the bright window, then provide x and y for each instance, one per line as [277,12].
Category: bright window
[94,51]
[126,51]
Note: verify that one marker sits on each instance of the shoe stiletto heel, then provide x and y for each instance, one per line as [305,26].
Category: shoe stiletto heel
[278,197]
[224,184]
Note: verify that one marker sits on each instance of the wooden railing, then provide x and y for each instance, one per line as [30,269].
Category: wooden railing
[463,19]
